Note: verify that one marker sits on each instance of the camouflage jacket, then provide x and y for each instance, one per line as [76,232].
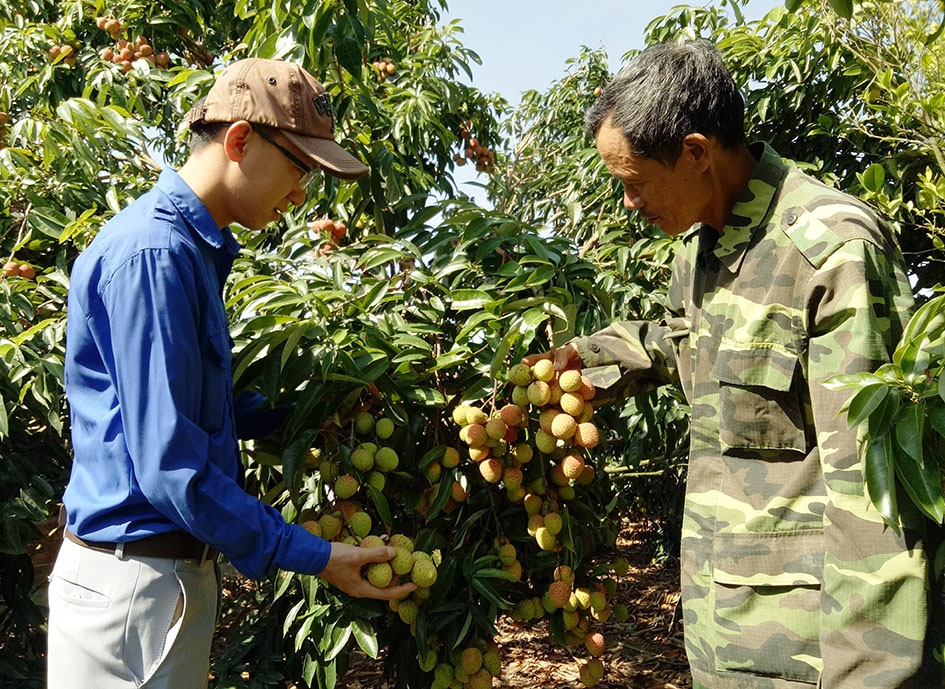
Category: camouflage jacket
[789,577]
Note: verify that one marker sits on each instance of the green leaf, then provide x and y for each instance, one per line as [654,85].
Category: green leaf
[922,482]
[339,639]
[909,426]
[873,178]
[880,478]
[365,636]
[842,7]
[865,402]
[348,50]
[792,5]
[468,299]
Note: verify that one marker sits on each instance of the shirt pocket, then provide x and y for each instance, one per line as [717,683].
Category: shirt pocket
[759,404]
[767,604]
[217,381]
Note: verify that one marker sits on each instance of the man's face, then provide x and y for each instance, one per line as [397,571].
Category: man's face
[274,182]
[665,196]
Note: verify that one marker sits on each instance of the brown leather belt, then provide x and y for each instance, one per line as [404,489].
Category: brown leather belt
[173,545]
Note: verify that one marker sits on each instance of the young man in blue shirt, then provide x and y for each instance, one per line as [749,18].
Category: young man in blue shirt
[155,490]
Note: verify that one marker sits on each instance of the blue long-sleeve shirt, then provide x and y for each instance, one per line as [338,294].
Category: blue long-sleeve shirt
[149,383]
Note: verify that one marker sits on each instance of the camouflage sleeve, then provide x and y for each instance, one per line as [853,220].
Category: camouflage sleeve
[874,598]
[629,357]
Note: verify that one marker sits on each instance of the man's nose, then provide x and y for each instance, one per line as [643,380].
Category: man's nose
[631,201]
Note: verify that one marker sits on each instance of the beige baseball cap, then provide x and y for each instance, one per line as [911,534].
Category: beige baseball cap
[282,95]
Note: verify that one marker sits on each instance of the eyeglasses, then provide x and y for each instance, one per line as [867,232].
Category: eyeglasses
[309,173]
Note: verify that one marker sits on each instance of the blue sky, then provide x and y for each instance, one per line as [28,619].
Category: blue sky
[524,44]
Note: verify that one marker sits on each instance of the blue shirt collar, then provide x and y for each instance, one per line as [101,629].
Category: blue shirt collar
[195,213]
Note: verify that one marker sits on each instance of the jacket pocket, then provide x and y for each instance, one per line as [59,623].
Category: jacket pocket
[767,604]
[759,404]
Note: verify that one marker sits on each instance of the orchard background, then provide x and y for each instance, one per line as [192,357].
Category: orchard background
[398,297]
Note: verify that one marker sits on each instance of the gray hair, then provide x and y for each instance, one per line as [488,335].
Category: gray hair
[668,91]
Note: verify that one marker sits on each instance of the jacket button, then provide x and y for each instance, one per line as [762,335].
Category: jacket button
[595,348]
[790,218]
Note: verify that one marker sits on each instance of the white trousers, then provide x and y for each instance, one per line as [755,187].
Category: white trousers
[118,623]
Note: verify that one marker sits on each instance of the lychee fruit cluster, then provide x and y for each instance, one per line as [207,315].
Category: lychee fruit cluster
[471,667]
[123,52]
[23,270]
[330,231]
[473,150]
[384,67]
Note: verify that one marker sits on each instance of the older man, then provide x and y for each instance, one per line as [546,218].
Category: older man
[790,578]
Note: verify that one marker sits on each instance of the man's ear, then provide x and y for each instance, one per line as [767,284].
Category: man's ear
[235,139]
[696,150]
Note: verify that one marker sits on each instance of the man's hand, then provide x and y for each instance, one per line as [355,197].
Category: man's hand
[564,357]
[344,571]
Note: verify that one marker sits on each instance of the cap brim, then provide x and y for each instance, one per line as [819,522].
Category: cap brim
[333,159]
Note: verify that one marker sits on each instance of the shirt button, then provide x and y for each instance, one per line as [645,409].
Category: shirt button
[790,218]
[595,348]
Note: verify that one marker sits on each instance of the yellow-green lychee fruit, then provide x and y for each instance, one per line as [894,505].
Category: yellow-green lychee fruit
[330,526]
[566,493]
[564,573]
[545,539]
[598,600]
[587,389]
[360,524]
[587,475]
[556,393]
[609,585]
[459,415]
[384,428]
[427,660]
[399,540]
[570,618]
[570,380]
[520,374]
[476,415]
[496,428]
[507,554]
[545,442]
[584,597]
[620,566]
[458,492]
[571,403]
[477,454]
[556,475]
[372,541]
[512,478]
[423,572]
[523,453]
[535,522]
[346,486]
[563,426]
[362,459]
[471,660]
[443,674]
[539,393]
[532,504]
[594,642]
[543,370]
[480,679]
[386,459]
[432,472]
[588,675]
[621,613]
[329,471]
[380,574]
[553,523]
[376,480]
[363,423]
[402,562]
[408,611]
[520,395]
[514,569]
[450,458]
[492,662]
[603,614]
[547,417]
